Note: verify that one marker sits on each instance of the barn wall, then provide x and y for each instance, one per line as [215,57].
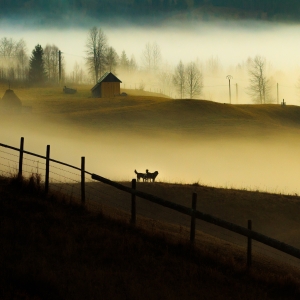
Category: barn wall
[110,89]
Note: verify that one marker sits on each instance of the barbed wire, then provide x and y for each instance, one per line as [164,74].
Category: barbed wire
[55,179]
[9,153]
[62,185]
[8,166]
[33,160]
[32,166]
[8,159]
[64,177]
[97,196]
[52,166]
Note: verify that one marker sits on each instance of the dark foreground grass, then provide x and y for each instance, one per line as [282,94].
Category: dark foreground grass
[52,249]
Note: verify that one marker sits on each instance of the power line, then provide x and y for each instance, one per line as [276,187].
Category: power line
[72,54]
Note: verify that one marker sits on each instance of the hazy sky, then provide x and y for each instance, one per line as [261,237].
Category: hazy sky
[231,42]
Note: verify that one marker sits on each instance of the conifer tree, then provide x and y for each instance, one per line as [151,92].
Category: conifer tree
[37,74]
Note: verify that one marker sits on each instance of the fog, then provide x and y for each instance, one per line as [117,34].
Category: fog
[265,164]
[270,165]
[230,43]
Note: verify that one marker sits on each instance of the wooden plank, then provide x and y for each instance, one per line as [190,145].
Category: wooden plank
[250,233]
[44,157]
[83,180]
[133,203]
[21,157]
[154,199]
[47,169]
[208,218]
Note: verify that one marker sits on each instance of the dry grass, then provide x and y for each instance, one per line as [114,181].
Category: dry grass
[51,249]
[154,113]
[57,250]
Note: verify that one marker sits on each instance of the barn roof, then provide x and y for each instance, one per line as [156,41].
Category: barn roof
[107,77]
[10,99]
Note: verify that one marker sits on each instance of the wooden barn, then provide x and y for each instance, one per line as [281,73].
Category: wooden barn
[107,86]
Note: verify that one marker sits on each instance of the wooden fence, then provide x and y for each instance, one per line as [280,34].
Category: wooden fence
[192,212]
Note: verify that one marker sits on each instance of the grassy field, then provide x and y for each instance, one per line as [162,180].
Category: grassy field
[150,113]
[57,258]
[53,249]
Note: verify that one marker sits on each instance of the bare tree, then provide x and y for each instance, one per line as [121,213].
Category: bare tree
[112,59]
[7,47]
[165,78]
[77,75]
[7,52]
[179,79]
[147,57]
[194,83]
[156,53]
[213,66]
[13,58]
[259,87]
[51,62]
[96,46]
[22,59]
[151,57]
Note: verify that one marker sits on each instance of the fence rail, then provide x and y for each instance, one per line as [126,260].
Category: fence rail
[192,212]
[208,218]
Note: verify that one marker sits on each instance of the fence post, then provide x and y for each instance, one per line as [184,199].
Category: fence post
[82,180]
[47,169]
[21,157]
[249,247]
[193,219]
[133,204]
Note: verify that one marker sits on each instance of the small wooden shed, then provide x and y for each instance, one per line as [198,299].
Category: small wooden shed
[107,86]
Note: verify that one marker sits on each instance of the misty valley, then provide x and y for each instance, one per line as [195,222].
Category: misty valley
[149,149]
[245,146]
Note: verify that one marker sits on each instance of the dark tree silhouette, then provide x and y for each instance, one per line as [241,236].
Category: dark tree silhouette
[96,47]
[37,73]
[259,88]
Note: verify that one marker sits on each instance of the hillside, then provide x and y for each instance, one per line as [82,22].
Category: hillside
[216,144]
[55,250]
[148,113]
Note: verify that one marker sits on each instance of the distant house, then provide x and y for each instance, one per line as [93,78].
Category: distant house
[107,86]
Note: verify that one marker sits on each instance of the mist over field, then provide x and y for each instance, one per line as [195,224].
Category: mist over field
[219,48]
[265,162]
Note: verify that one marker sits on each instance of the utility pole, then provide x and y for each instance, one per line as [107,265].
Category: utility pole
[59,67]
[236,93]
[229,77]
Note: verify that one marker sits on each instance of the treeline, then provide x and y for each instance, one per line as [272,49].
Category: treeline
[138,8]
[16,62]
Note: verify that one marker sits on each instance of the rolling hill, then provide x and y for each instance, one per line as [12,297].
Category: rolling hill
[148,113]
